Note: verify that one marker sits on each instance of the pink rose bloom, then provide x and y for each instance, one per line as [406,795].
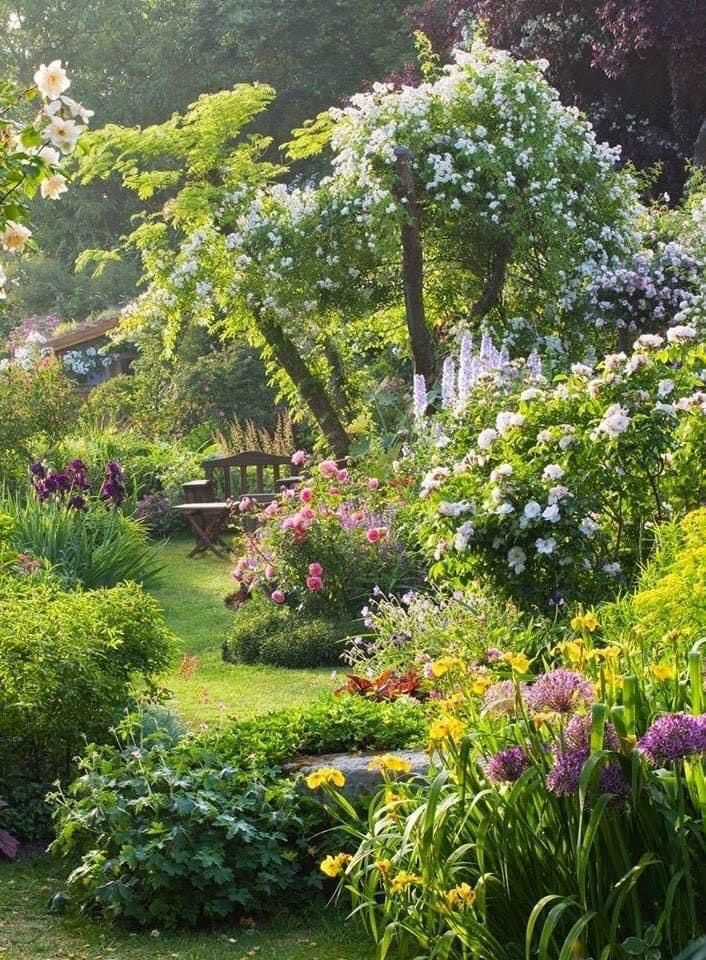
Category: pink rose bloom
[278,596]
[306,494]
[269,571]
[314,583]
[299,458]
[306,513]
[316,570]
[328,469]
[245,504]
[373,483]
[375,534]
[288,523]
[334,491]
[342,476]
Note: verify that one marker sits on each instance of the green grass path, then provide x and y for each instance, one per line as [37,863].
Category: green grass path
[191,593]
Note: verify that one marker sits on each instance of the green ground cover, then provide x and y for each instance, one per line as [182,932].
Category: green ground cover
[28,932]
[191,593]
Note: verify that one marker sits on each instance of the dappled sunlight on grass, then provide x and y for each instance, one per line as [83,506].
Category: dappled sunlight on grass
[205,688]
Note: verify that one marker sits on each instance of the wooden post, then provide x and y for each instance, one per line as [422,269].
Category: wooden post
[413,269]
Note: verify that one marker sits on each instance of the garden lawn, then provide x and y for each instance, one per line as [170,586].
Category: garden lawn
[28,932]
[205,688]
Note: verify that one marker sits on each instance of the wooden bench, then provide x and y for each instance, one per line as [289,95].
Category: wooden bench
[208,502]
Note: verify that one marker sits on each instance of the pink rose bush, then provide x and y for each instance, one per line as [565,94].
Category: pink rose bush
[323,545]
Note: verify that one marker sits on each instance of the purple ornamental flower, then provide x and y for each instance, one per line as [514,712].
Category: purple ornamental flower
[113,489]
[560,691]
[448,384]
[571,756]
[501,699]
[673,737]
[506,766]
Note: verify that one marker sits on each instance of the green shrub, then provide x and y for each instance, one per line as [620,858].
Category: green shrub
[37,408]
[332,724]
[95,548]
[265,633]
[172,835]
[68,667]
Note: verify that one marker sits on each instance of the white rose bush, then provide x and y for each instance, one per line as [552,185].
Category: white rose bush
[554,489]
[32,153]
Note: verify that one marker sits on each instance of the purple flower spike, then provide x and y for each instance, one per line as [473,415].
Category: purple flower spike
[506,766]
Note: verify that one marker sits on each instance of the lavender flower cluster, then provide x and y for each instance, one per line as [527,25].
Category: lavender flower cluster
[457,383]
[648,294]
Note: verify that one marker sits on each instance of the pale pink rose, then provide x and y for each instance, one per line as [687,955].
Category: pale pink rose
[328,469]
[342,476]
[245,504]
[316,570]
[299,458]
[269,571]
[314,583]
[278,596]
[334,491]
[373,483]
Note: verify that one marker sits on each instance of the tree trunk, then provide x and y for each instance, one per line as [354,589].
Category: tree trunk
[700,148]
[495,283]
[420,338]
[288,357]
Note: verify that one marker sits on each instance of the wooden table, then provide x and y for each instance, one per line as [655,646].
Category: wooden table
[207,520]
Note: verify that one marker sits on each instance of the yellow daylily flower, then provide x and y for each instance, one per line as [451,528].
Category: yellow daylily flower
[447,728]
[663,671]
[325,776]
[404,880]
[444,665]
[333,866]
[584,621]
[518,662]
[481,684]
[390,762]
[461,896]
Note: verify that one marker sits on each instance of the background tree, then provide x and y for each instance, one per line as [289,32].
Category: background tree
[139,61]
[634,66]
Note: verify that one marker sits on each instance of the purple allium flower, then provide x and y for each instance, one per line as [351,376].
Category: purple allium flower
[501,698]
[612,780]
[578,734]
[563,779]
[673,737]
[561,691]
[506,766]
[571,756]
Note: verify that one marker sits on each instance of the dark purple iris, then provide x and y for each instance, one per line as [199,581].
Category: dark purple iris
[113,491]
